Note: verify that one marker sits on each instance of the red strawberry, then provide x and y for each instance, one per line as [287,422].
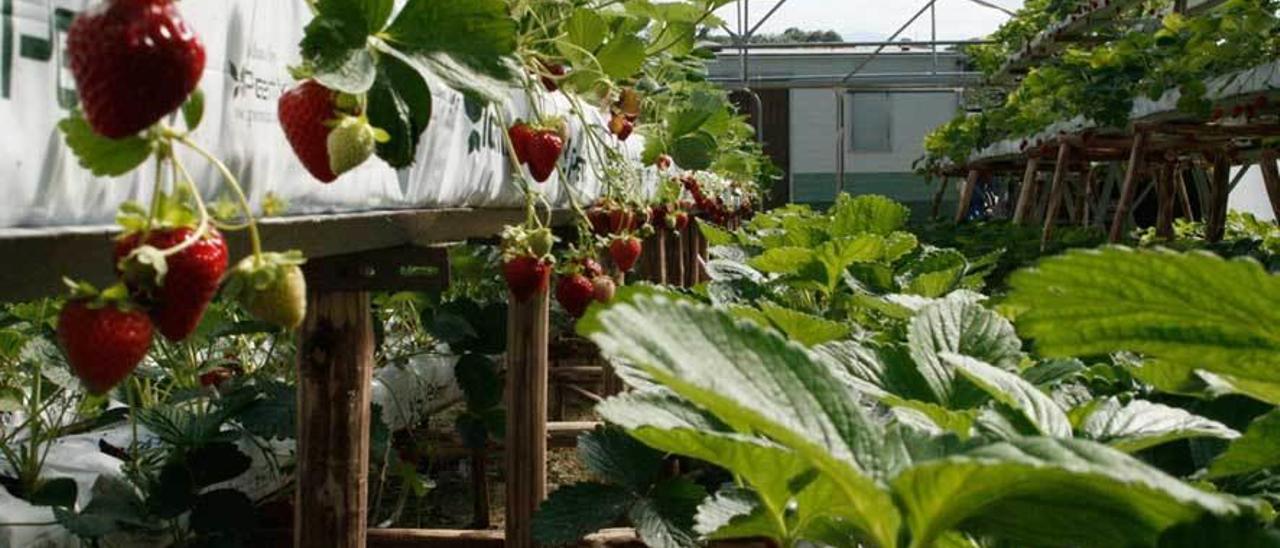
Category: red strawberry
[664,162]
[599,218]
[625,251]
[526,275]
[682,220]
[304,113]
[591,268]
[544,151]
[604,288]
[104,336]
[134,62]
[621,127]
[521,135]
[216,376]
[620,219]
[191,279]
[575,292]
[658,215]
[556,69]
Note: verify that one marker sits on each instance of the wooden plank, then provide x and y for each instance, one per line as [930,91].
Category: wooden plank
[85,252]
[1055,193]
[1271,179]
[966,195]
[675,257]
[1184,198]
[403,268]
[526,443]
[1088,195]
[1129,188]
[1220,189]
[1027,191]
[335,368]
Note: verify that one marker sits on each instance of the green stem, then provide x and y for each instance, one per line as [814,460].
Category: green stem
[155,198]
[231,181]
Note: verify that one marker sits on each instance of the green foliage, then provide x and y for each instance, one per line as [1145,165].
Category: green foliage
[102,156]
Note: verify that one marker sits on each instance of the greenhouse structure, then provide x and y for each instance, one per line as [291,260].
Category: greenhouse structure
[347,273]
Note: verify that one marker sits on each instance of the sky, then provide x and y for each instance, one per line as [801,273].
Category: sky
[869,20]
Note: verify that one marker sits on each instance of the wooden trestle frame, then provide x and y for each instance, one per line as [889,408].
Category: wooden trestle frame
[352,255]
[1157,157]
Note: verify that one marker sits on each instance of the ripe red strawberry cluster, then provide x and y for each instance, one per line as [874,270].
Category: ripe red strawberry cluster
[538,147]
[583,283]
[714,208]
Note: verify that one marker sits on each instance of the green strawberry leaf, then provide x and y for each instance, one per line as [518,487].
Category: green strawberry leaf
[622,57]
[574,511]
[102,156]
[339,27]
[193,109]
[478,33]
[400,105]
[354,74]
[694,151]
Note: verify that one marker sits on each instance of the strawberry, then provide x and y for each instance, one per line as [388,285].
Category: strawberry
[351,142]
[216,376]
[664,162]
[526,275]
[304,112]
[629,103]
[589,267]
[621,127]
[272,287]
[599,218]
[603,288]
[521,135]
[544,151]
[551,83]
[682,220]
[134,62]
[104,335]
[575,292]
[181,292]
[327,130]
[620,219]
[625,251]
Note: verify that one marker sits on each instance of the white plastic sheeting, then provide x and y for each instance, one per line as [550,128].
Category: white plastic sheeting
[250,45]
[407,395]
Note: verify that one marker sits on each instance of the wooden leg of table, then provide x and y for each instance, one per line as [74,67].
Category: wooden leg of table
[1129,189]
[526,443]
[335,368]
[1271,178]
[480,488]
[1055,193]
[1184,198]
[675,258]
[1220,189]
[1026,193]
[966,195]
[703,253]
[660,257]
[1088,195]
[1165,200]
[936,208]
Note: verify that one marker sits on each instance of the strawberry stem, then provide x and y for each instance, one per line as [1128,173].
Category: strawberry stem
[231,181]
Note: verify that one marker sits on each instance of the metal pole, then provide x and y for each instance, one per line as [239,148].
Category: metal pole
[933,34]
[890,40]
[840,139]
[760,23]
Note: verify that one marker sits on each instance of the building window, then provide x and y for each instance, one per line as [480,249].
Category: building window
[871,122]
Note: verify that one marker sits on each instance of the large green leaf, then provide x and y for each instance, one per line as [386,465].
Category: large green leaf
[735,513]
[782,260]
[876,369]
[1258,449]
[614,456]
[665,517]
[961,326]
[478,33]
[100,155]
[400,104]
[1008,388]
[1193,309]
[622,57]
[574,511]
[1140,424]
[755,381]
[868,213]
[805,329]
[1051,492]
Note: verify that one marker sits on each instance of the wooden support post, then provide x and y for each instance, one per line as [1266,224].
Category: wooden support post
[660,257]
[1130,187]
[526,443]
[1088,195]
[935,210]
[1220,189]
[1026,194]
[1055,193]
[1271,178]
[966,195]
[675,257]
[1165,200]
[1184,198]
[691,245]
[335,369]
[480,488]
